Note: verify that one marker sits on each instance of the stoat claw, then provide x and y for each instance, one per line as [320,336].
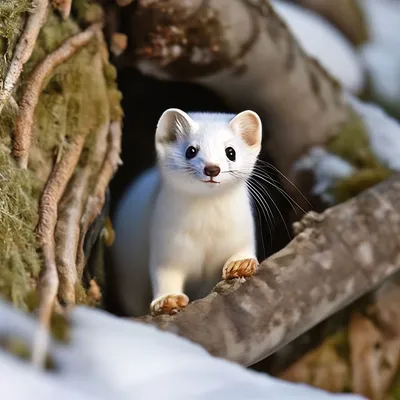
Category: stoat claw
[169,304]
[240,269]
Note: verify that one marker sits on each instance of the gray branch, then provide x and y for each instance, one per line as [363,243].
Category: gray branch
[336,257]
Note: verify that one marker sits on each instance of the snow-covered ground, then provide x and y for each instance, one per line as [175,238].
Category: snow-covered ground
[111,358]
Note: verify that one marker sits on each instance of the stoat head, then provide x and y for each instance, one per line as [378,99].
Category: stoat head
[204,153]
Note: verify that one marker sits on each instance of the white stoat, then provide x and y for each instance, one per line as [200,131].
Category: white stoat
[183,224]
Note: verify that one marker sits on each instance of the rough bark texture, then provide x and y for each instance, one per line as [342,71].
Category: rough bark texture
[335,258]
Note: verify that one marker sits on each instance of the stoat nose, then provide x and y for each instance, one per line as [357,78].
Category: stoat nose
[212,170]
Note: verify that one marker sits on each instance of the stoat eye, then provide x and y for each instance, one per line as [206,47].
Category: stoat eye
[230,153]
[191,152]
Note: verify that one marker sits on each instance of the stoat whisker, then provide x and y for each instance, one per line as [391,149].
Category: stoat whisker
[271,166]
[253,184]
[263,205]
[264,209]
[289,198]
[262,175]
[274,203]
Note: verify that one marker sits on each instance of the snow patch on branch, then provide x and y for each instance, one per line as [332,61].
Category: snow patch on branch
[380,55]
[383,132]
[384,138]
[328,169]
[324,42]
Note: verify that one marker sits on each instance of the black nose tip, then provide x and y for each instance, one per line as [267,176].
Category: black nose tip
[212,170]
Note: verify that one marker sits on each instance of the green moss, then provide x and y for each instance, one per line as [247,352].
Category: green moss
[394,391]
[12,13]
[363,34]
[81,297]
[358,182]
[20,349]
[20,263]
[114,95]
[352,144]
[85,12]
[60,328]
[76,100]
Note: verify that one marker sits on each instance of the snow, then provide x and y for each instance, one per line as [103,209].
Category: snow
[114,358]
[384,137]
[381,55]
[324,42]
[383,132]
[328,169]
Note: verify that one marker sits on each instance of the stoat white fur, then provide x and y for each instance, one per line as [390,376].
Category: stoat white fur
[187,222]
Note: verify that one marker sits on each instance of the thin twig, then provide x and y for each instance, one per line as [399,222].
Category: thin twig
[23,127]
[48,285]
[24,48]
[95,202]
[63,6]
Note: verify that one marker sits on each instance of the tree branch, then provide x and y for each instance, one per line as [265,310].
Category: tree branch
[95,201]
[48,212]
[24,48]
[256,64]
[336,257]
[346,15]
[23,127]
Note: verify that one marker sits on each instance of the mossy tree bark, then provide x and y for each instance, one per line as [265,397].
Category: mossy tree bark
[60,135]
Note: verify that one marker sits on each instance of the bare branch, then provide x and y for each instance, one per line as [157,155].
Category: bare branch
[67,236]
[96,200]
[23,127]
[336,258]
[24,48]
[48,209]
[68,225]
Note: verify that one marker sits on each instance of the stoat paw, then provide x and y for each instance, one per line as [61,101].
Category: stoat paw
[169,304]
[240,269]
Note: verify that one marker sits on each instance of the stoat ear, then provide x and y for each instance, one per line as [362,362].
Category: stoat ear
[248,125]
[172,124]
